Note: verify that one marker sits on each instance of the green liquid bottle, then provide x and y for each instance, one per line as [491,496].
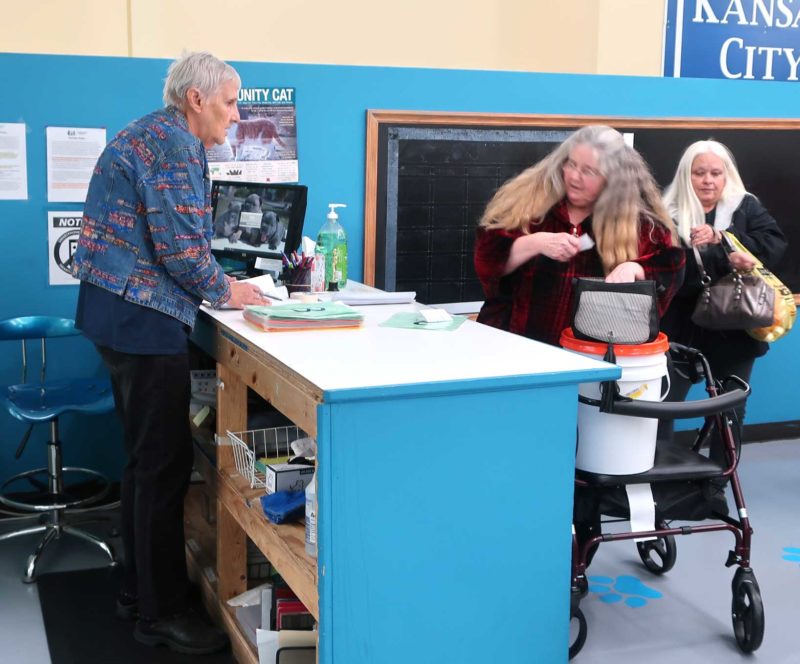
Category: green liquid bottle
[332,243]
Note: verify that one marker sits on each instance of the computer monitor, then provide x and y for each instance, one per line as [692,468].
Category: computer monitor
[252,220]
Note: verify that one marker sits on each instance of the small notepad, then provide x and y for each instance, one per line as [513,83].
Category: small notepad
[435,315]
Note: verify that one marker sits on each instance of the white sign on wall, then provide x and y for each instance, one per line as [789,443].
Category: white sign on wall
[63,230]
[13,162]
[72,153]
[733,39]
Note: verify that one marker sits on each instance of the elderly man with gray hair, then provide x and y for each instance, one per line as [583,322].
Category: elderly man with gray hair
[144,261]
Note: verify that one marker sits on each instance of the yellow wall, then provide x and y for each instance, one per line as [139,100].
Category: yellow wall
[581,36]
[87,27]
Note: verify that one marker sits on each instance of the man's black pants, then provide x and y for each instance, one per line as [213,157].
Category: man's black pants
[152,394]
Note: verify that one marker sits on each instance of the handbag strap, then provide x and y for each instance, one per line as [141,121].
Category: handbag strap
[729,243]
[705,280]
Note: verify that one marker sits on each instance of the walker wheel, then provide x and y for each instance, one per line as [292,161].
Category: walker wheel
[658,555]
[577,632]
[747,611]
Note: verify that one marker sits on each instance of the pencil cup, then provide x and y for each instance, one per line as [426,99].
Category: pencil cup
[297,280]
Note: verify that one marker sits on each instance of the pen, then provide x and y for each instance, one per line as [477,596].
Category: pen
[285,260]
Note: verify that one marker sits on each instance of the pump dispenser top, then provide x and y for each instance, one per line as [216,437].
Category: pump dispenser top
[332,214]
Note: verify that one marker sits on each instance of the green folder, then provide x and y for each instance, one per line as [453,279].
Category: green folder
[411,320]
[308,311]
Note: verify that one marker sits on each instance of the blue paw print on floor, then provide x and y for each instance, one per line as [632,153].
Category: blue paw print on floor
[791,553]
[612,590]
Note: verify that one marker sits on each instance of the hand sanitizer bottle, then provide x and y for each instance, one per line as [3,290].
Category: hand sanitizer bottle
[332,243]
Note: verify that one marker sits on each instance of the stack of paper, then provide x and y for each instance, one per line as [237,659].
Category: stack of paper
[370,297]
[303,316]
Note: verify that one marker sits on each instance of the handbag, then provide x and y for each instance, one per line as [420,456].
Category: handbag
[737,301]
[618,313]
[614,313]
[785,311]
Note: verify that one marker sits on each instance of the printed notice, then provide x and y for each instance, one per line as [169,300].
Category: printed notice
[71,155]
[63,231]
[13,162]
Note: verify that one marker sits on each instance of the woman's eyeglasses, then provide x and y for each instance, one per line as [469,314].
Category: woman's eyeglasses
[585,171]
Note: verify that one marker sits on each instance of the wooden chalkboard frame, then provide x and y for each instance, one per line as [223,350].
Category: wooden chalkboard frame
[378,119]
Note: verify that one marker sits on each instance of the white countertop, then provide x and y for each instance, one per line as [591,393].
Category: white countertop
[373,356]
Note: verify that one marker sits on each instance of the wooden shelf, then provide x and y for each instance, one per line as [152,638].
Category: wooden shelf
[283,545]
[201,563]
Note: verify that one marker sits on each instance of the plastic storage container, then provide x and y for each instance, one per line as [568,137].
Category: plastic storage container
[311,517]
[619,444]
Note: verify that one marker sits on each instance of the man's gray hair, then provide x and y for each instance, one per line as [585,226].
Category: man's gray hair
[199,70]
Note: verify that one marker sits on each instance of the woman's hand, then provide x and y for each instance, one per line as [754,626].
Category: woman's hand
[741,261]
[558,246]
[705,234]
[625,273]
[243,294]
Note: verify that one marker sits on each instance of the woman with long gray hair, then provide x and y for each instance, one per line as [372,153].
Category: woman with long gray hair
[589,209]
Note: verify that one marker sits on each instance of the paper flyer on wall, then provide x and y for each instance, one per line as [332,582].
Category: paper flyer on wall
[13,162]
[262,146]
[63,230]
[72,153]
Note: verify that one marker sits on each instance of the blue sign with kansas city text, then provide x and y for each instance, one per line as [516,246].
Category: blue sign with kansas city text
[737,39]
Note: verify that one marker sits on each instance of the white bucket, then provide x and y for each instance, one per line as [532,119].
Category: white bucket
[620,444]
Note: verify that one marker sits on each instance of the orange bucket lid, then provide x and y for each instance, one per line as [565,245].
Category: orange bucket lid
[659,345]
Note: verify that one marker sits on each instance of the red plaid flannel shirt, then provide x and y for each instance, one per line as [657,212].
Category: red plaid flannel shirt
[535,300]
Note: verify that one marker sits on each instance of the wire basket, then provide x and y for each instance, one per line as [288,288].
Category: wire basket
[273,445]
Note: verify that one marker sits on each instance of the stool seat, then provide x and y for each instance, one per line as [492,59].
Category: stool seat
[41,403]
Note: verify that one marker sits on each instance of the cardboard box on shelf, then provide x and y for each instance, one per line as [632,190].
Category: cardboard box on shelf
[288,477]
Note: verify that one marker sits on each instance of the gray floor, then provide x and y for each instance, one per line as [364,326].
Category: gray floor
[22,632]
[690,622]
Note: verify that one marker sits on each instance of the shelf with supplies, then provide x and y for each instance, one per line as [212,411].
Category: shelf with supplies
[201,565]
[282,545]
[224,499]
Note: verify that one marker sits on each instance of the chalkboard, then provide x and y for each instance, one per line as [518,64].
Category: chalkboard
[430,176]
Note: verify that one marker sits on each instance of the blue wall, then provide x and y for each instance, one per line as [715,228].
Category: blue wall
[331,106]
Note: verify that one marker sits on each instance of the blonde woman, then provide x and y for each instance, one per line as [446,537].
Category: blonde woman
[705,197]
[589,209]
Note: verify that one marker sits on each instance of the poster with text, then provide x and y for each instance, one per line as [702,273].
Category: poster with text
[262,146]
[13,162]
[72,153]
[63,230]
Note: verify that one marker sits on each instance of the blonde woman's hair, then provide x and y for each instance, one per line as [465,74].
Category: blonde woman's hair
[680,198]
[630,195]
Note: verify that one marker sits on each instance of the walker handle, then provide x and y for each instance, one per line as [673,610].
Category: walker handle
[677,410]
